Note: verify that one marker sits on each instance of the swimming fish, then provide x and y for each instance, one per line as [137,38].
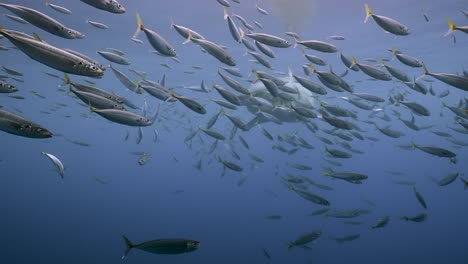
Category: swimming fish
[111,6]
[163,246]
[388,24]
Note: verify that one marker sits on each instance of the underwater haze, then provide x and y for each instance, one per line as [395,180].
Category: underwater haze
[377,175]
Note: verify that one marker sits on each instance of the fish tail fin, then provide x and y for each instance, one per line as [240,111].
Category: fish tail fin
[354,62]
[189,37]
[91,109]
[295,42]
[128,245]
[36,37]
[290,245]
[452,27]
[312,68]
[368,13]
[66,79]
[225,14]
[425,72]
[172,23]
[140,26]
[242,34]
[413,145]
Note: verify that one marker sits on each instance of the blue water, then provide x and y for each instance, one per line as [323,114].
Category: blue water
[46,219]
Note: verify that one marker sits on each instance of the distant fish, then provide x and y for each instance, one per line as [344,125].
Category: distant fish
[336,37]
[59,9]
[16,19]
[261,10]
[97,24]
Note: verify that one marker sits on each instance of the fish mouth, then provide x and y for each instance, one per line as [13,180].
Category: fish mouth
[122,10]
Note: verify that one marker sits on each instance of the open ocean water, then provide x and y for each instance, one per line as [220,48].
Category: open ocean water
[184,191]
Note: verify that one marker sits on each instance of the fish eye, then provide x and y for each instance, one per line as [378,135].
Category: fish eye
[119,5]
[93,68]
[69,32]
[40,130]
[80,63]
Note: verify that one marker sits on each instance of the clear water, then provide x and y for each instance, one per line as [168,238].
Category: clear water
[46,219]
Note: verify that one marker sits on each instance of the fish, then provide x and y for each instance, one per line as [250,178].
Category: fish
[416,108]
[97,24]
[260,59]
[112,57]
[267,39]
[372,71]
[230,165]
[319,212]
[213,49]
[261,10]
[53,57]
[184,31]
[347,238]
[212,133]
[350,177]
[457,81]
[347,213]
[11,71]
[230,97]
[406,59]
[122,117]
[16,19]
[57,163]
[163,246]
[234,84]
[436,151]
[420,198]
[232,27]
[416,218]
[157,41]
[305,239]
[317,45]
[382,223]
[43,21]
[95,100]
[190,103]
[447,179]
[264,49]
[16,125]
[129,84]
[307,195]
[386,23]
[59,9]
[111,6]
[224,3]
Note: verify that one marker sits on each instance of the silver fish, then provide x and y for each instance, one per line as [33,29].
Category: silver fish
[111,6]
[43,21]
[157,42]
[53,57]
[17,125]
[57,163]
[388,24]
[213,49]
[97,24]
[267,39]
[59,9]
